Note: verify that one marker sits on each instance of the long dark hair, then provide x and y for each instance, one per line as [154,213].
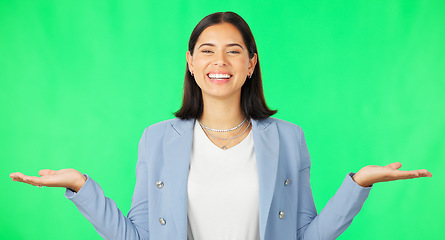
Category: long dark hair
[253,103]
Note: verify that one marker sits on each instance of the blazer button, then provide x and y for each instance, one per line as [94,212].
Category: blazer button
[162,221]
[159,184]
[286,182]
[281,214]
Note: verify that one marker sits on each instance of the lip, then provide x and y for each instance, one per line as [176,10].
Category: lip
[219,81]
[219,72]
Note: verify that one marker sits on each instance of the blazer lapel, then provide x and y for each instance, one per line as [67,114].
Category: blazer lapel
[177,147]
[266,146]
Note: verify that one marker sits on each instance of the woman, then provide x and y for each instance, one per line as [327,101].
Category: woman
[223,169]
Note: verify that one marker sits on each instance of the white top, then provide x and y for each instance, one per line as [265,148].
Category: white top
[223,190]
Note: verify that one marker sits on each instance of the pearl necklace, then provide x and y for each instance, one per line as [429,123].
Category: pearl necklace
[229,139]
[222,130]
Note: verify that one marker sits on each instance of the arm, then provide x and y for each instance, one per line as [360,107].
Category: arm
[340,210]
[106,217]
[336,216]
[101,211]
[338,213]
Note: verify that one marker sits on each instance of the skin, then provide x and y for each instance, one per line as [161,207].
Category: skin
[220,48]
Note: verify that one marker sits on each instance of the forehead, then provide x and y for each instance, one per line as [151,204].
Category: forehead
[222,33]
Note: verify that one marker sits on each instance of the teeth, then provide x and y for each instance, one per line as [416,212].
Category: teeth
[219,76]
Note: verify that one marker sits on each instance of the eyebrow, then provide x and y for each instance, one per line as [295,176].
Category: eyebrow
[227,45]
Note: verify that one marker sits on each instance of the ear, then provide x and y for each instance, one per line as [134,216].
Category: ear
[190,61]
[252,63]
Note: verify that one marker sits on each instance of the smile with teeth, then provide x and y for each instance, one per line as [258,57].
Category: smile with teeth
[219,76]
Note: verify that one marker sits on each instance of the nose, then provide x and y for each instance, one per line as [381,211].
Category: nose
[220,59]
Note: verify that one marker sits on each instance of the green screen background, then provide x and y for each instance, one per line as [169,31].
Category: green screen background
[80,80]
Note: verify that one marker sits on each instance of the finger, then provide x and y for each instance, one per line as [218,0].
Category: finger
[424,173]
[17,176]
[411,174]
[12,175]
[35,181]
[44,172]
[395,165]
[395,175]
[414,173]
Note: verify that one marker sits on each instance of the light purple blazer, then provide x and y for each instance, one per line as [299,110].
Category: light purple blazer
[160,212]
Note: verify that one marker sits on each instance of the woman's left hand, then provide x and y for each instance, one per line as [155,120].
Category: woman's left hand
[373,174]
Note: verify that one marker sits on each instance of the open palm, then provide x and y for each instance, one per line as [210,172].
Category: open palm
[373,174]
[67,178]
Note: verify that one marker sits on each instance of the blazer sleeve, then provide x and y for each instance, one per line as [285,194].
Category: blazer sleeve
[103,213]
[338,213]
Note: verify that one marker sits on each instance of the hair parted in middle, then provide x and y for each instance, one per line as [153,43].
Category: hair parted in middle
[253,103]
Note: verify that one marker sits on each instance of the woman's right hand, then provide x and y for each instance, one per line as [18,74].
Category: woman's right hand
[67,178]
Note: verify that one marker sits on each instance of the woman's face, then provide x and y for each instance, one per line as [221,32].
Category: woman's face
[220,61]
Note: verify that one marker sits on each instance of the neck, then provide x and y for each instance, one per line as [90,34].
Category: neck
[222,114]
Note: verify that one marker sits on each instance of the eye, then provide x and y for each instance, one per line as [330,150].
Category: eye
[206,51]
[234,52]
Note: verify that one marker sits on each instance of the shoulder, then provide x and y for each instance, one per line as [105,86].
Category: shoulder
[176,124]
[154,135]
[287,131]
[284,127]
[159,126]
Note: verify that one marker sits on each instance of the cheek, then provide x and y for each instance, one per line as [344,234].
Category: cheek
[241,68]
[199,69]
[200,63]
[242,64]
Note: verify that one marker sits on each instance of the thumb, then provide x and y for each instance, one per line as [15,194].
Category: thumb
[395,165]
[44,172]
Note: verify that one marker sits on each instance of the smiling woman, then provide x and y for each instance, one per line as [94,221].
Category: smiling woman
[221,63]
[229,31]
[223,169]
